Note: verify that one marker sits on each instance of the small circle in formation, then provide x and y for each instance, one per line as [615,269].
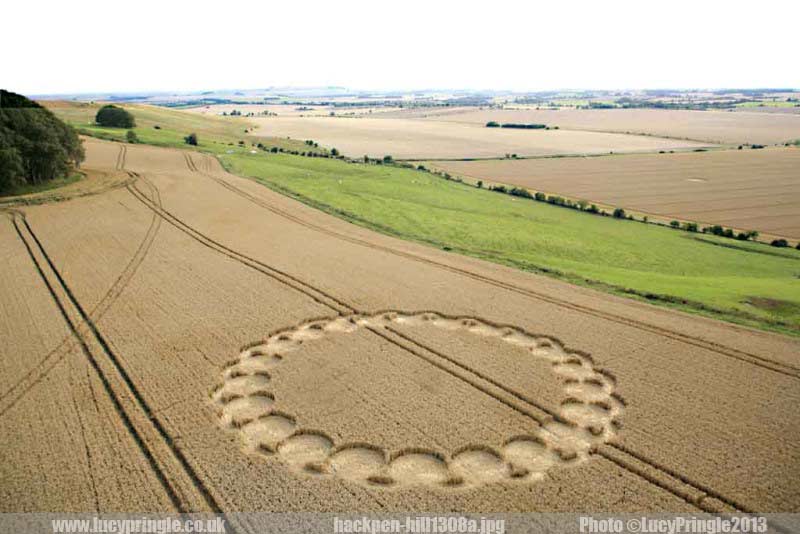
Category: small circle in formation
[588,414]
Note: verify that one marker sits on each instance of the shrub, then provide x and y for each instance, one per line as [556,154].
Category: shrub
[492,124]
[690,227]
[479,185]
[520,192]
[156,127]
[131,137]
[387,159]
[114,117]
[541,197]
[334,152]
[782,243]
[619,213]
[191,139]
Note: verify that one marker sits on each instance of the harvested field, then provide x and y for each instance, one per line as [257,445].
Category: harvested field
[413,139]
[722,127]
[232,349]
[744,189]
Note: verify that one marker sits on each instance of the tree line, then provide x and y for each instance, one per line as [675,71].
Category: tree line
[35,146]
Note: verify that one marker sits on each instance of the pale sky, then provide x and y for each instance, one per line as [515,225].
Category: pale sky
[92,46]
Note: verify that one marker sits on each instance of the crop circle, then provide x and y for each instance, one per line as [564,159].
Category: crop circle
[587,415]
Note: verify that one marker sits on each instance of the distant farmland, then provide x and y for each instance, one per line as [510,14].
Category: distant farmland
[747,189]
[709,126]
[416,139]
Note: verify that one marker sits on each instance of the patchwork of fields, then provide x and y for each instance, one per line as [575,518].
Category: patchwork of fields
[192,340]
[743,189]
[416,139]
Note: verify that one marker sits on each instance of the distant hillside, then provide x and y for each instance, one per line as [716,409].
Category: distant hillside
[35,146]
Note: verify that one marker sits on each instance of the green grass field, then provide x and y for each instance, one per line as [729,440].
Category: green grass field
[173,125]
[748,283]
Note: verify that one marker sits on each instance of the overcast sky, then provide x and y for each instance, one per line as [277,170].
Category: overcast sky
[93,46]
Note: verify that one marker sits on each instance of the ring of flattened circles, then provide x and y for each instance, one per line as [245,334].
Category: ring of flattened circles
[587,417]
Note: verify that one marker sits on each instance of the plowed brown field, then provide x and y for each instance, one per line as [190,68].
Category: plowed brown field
[194,341]
[746,189]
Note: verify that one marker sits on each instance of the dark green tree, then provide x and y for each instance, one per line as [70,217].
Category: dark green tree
[114,117]
[35,146]
[191,139]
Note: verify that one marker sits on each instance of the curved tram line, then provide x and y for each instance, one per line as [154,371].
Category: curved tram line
[117,383]
[41,369]
[694,493]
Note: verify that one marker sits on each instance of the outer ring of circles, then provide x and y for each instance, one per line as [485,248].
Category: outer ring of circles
[588,415]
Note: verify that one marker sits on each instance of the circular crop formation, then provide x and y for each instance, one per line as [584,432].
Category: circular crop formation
[587,415]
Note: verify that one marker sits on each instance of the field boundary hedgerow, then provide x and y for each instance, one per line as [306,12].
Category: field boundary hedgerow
[605,209]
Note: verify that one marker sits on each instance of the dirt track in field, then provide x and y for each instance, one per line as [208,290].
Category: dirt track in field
[194,341]
[419,139]
[746,189]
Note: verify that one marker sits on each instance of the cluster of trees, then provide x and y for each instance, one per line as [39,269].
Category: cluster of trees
[555,200]
[310,154]
[35,146]
[530,126]
[716,229]
[114,117]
